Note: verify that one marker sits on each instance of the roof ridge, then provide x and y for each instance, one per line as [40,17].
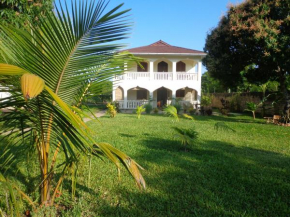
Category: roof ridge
[159,42]
[187,48]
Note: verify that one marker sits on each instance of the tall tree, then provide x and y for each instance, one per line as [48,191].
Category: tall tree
[21,13]
[252,40]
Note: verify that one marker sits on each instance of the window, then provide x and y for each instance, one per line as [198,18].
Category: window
[162,67]
[141,94]
[180,66]
[180,93]
[145,67]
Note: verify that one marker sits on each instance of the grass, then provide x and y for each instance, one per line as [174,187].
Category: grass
[242,173]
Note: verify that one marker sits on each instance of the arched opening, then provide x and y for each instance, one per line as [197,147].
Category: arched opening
[119,93]
[186,94]
[180,66]
[144,67]
[162,96]
[162,67]
[138,93]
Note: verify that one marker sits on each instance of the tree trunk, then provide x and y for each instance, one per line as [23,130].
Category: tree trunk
[284,91]
[254,115]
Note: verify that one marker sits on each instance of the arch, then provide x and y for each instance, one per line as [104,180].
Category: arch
[144,65]
[180,66]
[186,94]
[163,96]
[119,93]
[162,67]
[138,93]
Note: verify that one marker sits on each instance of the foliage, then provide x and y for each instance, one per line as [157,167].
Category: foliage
[252,107]
[187,136]
[111,110]
[222,126]
[208,111]
[192,111]
[22,13]
[235,102]
[156,110]
[187,116]
[148,108]
[251,41]
[172,112]
[69,51]
[139,111]
[205,100]
[210,84]
[117,106]
[178,107]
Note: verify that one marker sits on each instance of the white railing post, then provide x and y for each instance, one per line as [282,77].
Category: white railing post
[114,95]
[125,98]
[174,70]
[151,69]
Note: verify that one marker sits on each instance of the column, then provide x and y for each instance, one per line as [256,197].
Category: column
[125,71]
[114,95]
[151,68]
[174,71]
[151,98]
[199,71]
[199,81]
[173,97]
[125,98]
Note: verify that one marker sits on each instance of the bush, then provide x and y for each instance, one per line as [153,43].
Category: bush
[111,110]
[192,111]
[178,107]
[148,108]
[156,111]
[205,100]
[139,111]
[208,111]
[117,106]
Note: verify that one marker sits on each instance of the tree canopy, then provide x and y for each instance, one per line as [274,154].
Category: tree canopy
[252,41]
[22,12]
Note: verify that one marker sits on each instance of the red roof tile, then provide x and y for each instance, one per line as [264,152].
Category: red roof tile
[162,47]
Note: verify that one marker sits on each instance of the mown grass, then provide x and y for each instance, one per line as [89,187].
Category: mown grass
[242,173]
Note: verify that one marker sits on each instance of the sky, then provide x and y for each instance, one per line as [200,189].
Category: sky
[183,23]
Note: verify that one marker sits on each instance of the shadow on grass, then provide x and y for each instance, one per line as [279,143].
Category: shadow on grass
[214,179]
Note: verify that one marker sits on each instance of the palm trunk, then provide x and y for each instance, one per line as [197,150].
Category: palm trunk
[284,91]
[254,115]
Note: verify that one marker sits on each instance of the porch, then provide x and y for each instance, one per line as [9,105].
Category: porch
[137,96]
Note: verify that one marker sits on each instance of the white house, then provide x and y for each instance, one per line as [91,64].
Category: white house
[169,73]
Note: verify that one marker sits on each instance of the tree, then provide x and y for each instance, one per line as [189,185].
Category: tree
[252,40]
[21,13]
[210,85]
[55,64]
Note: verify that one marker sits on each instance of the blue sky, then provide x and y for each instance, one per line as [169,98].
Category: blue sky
[183,23]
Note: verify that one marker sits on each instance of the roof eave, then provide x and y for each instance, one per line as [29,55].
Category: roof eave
[176,54]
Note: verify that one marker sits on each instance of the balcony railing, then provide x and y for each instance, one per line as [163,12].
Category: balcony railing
[164,76]
[132,104]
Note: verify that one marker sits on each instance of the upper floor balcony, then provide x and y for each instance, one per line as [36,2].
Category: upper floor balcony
[163,70]
[162,76]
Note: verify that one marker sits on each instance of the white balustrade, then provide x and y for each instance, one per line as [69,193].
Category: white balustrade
[132,104]
[186,76]
[138,76]
[163,76]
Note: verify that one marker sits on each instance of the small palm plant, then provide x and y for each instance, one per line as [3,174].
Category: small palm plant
[252,107]
[186,136]
[139,111]
[48,70]
[172,112]
[111,110]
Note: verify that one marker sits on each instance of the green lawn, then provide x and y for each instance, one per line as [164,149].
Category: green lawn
[242,173]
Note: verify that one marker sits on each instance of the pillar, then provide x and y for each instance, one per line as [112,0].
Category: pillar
[114,95]
[151,68]
[125,98]
[174,71]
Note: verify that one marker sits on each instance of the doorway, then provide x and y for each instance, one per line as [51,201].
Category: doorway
[162,97]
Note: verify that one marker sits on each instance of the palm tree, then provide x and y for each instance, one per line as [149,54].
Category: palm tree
[57,63]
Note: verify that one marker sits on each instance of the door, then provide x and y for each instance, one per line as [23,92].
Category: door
[161,97]
[162,67]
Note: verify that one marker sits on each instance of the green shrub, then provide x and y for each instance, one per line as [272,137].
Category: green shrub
[205,100]
[178,107]
[191,111]
[148,108]
[156,111]
[139,111]
[111,110]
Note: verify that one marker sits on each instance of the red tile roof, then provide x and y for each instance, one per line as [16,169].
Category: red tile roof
[161,47]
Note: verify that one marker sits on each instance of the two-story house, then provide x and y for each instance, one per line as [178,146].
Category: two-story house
[169,73]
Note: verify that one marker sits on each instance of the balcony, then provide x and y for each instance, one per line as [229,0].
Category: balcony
[160,76]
